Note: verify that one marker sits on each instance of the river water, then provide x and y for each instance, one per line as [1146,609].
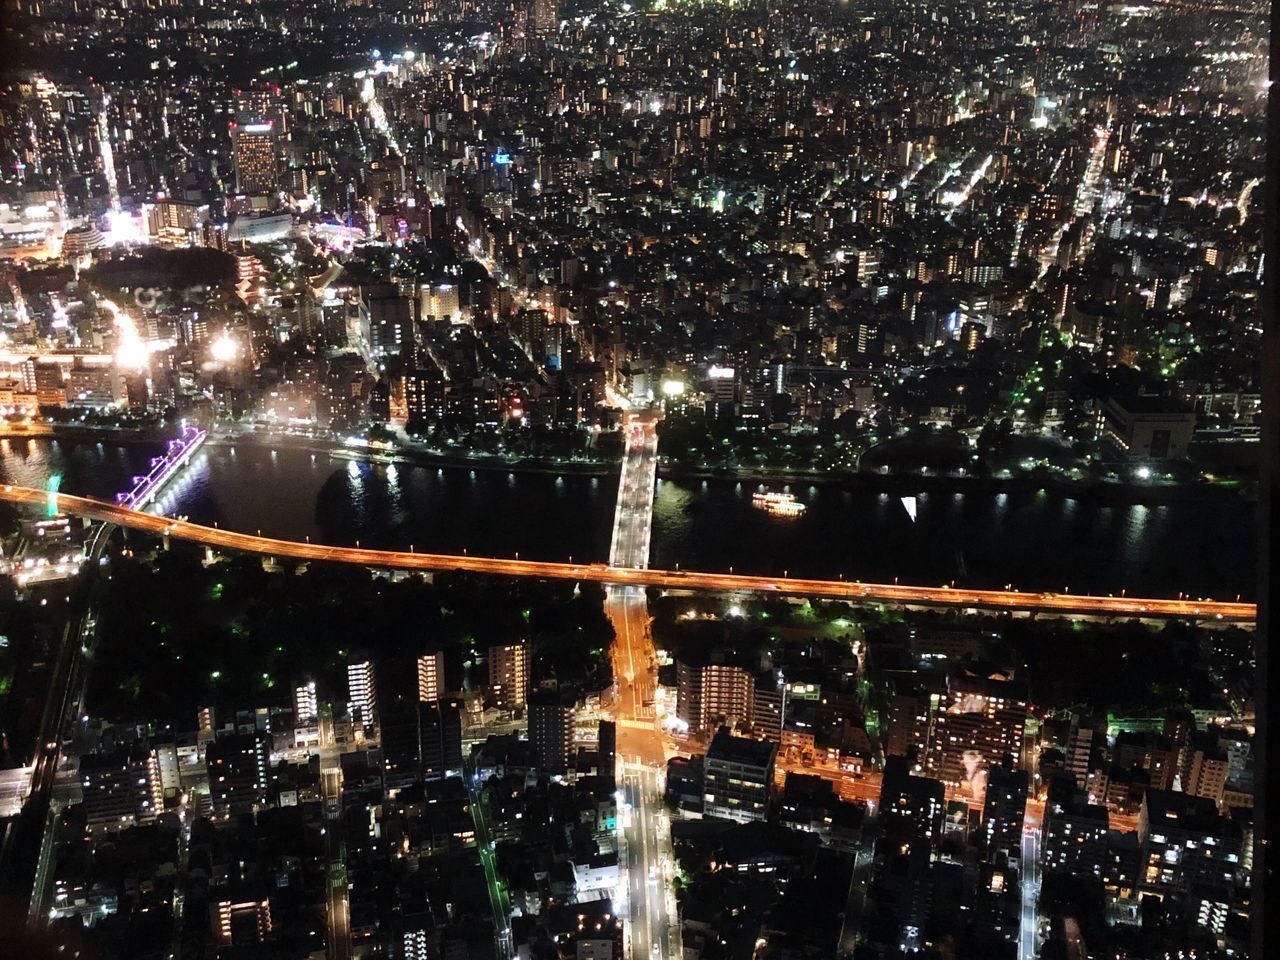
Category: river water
[1034,540]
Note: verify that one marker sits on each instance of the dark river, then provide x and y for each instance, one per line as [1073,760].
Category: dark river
[1032,540]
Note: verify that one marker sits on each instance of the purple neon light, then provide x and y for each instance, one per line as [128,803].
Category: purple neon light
[162,468]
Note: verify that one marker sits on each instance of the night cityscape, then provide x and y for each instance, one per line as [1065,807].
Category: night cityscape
[638,480]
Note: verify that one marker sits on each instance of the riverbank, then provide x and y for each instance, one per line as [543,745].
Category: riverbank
[897,484]
[412,456]
[79,432]
[893,483]
[904,484]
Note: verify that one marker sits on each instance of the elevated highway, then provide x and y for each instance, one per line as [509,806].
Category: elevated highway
[1063,604]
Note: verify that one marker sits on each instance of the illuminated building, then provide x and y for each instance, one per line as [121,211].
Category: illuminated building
[413,936]
[866,263]
[362,695]
[738,777]
[1003,810]
[260,103]
[727,695]
[81,241]
[1185,846]
[1147,427]
[430,676]
[977,724]
[240,922]
[911,806]
[1075,832]
[254,151]
[906,724]
[768,707]
[237,768]
[95,386]
[544,16]
[530,329]
[305,708]
[714,693]
[439,301]
[137,389]
[386,320]
[424,397]
[175,220]
[721,390]
[118,791]
[509,675]
[45,381]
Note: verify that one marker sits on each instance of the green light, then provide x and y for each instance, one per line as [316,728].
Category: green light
[55,481]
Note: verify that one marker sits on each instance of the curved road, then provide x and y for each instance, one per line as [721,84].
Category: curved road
[1053,603]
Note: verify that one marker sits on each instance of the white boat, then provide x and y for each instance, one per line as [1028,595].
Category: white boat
[777,504]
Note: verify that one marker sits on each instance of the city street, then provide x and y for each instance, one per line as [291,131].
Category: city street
[647,842]
[1029,877]
[646,839]
[338,894]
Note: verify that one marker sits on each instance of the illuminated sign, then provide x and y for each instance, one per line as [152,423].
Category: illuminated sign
[672,388]
[502,158]
[257,127]
[720,373]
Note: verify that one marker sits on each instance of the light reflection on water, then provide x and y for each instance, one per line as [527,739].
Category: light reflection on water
[1035,539]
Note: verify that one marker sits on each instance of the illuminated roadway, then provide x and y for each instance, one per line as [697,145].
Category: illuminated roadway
[638,576]
[645,833]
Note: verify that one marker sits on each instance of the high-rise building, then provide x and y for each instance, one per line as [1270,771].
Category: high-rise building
[545,17]
[430,676]
[1003,810]
[1075,832]
[386,320]
[738,777]
[237,765]
[689,694]
[1205,767]
[768,706]
[1080,743]
[440,732]
[727,695]
[260,103]
[439,301]
[306,709]
[977,725]
[1185,845]
[254,148]
[400,734]
[362,695]
[906,726]
[509,674]
[119,790]
[608,748]
[424,397]
[550,730]
[711,694]
[911,806]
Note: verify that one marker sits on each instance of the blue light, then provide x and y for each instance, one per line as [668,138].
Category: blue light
[501,158]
